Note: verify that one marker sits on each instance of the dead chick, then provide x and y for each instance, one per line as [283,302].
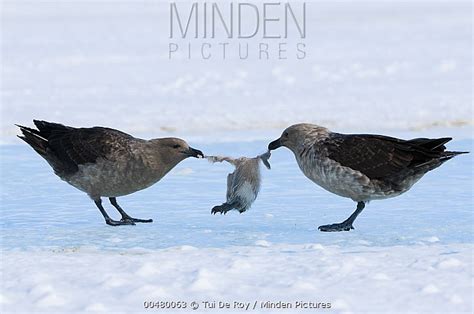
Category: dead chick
[243,184]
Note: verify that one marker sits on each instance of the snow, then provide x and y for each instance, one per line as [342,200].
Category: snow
[353,279]
[40,210]
[391,67]
[413,252]
[387,66]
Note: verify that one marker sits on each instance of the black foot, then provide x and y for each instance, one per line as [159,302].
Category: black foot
[138,220]
[343,226]
[219,209]
[122,222]
[126,219]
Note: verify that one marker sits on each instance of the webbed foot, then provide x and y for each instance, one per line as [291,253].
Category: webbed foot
[343,226]
[137,220]
[346,225]
[121,222]
[220,209]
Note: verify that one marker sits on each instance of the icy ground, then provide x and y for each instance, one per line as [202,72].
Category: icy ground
[384,64]
[431,278]
[401,68]
[39,210]
[411,253]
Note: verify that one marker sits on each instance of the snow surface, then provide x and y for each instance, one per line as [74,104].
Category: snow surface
[422,278]
[392,67]
[410,253]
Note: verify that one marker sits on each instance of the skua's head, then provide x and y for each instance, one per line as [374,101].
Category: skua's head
[176,148]
[295,136]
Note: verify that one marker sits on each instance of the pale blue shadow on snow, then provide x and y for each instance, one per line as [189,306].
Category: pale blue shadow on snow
[38,210]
